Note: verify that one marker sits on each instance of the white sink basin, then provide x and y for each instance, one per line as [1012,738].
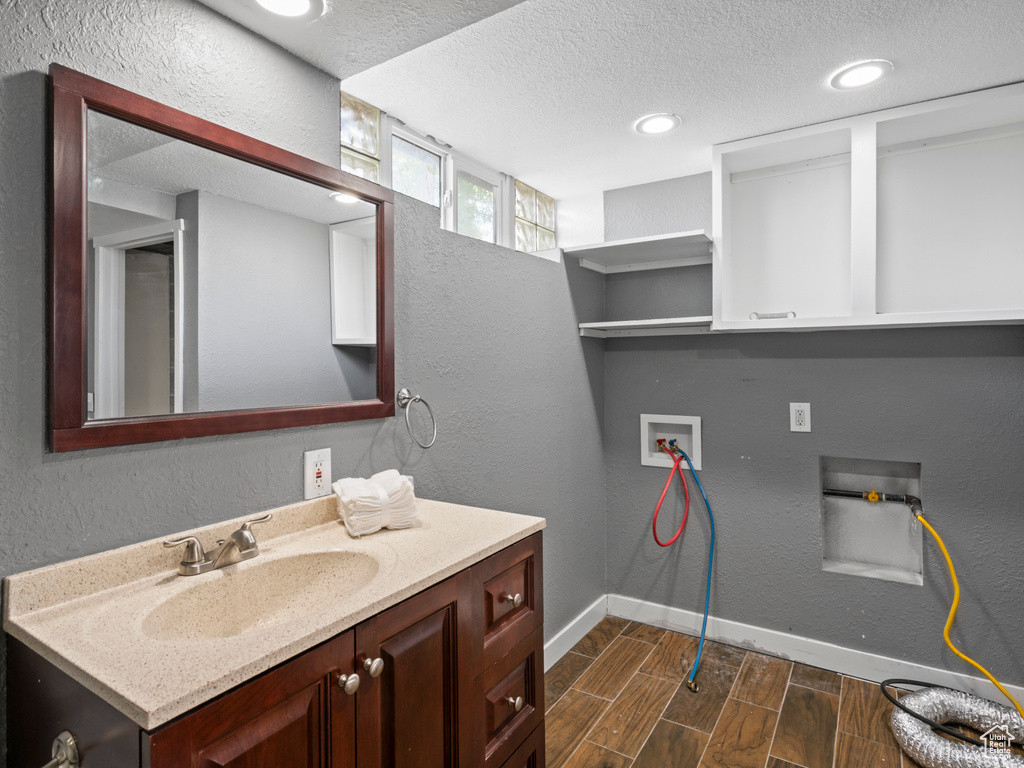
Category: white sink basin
[239,599]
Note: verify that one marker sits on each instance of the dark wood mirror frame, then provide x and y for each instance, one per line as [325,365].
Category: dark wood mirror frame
[72,94]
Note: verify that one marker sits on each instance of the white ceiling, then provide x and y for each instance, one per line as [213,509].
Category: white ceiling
[354,35]
[547,90]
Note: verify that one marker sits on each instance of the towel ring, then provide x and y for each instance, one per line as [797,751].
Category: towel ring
[407,398]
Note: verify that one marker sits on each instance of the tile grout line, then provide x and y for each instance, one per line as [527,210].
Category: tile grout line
[608,749]
[611,703]
[775,730]
[659,718]
[812,688]
[718,719]
[839,715]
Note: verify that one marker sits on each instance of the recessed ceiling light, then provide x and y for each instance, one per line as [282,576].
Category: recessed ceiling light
[860,74]
[344,197]
[295,10]
[652,125]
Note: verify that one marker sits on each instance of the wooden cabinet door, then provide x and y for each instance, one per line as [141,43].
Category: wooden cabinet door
[409,716]
[289,717]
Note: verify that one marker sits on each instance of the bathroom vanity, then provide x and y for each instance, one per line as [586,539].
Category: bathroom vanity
[419,647]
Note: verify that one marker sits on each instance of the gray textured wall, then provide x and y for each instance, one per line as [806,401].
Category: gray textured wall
[488,336]
[947,398]
[673,205]
[265,312]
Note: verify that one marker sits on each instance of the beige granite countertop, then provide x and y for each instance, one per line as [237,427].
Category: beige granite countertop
[95,617]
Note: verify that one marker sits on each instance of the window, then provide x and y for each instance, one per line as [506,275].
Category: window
[415,171]
[471,199]
[476,208]
[360,138]
[535,219]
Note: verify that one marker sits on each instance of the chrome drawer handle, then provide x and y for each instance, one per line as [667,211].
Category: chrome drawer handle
[516,703]
[515,599]
[772,315]
[374,666]
[349,683]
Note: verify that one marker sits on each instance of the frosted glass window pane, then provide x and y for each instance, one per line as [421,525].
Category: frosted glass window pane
[526,201]
[545,239]
[415,171]
[360,165]
[475,208]
[526,236]
[360,125]
[545,211]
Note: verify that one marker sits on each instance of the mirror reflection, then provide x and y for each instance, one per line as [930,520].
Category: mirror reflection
[215,285]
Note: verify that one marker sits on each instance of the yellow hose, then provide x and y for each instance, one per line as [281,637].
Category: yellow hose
[952,615]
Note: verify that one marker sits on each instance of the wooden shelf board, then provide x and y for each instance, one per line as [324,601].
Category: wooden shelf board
[679,249]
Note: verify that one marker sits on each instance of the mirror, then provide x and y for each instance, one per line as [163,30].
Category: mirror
[216,285]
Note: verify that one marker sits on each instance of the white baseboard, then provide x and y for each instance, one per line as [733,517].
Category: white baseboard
[573,632]
[846,661]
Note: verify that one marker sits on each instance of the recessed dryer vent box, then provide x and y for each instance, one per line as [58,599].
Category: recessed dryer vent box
[880,540]
[684,429]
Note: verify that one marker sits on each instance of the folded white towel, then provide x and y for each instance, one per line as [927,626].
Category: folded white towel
[385,500]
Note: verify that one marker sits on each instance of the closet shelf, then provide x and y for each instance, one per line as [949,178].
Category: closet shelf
[679,249]
[662,326]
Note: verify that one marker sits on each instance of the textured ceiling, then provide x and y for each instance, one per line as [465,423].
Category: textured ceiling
[354,35]
[548,90]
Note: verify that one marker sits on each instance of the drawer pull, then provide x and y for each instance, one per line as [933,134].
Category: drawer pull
[349,683]
[374,666]
[516,703]
[515,599]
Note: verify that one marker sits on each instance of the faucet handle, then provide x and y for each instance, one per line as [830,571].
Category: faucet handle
[249,523]
[193,549]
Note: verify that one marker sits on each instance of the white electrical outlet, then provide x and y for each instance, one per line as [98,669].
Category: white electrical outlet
[799,417]
[316,473]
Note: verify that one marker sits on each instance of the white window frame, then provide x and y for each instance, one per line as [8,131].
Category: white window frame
[461,164]
[452,162]
[390,127]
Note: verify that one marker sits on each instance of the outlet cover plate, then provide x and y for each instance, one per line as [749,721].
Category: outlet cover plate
[799,417]
[316,473]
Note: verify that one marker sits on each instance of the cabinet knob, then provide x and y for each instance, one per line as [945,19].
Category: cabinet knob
[349,683]
[374,666]
[515,599]
[516,703]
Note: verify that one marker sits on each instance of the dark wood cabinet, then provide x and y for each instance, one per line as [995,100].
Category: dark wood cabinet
[459,684]
[409,716]
[296,716]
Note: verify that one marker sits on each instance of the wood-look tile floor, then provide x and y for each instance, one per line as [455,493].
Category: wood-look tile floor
[619,699]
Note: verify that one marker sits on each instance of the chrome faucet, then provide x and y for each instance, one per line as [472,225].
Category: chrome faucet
[241,545]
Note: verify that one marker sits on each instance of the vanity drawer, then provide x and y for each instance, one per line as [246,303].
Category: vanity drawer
[531,753]
[507,577]
[518,676]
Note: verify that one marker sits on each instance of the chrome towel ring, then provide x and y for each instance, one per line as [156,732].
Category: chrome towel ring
[405,399]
